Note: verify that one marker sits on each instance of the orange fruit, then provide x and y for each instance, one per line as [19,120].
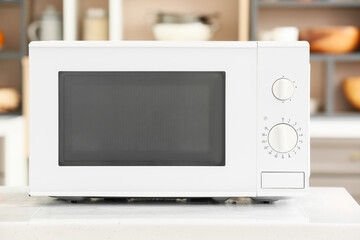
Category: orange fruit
[351,87]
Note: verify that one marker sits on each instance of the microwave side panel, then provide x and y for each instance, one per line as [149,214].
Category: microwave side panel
[283,119]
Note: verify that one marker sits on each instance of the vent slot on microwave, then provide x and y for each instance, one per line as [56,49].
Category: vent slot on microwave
[141,118]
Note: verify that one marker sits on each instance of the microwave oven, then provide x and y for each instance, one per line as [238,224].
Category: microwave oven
[169,119]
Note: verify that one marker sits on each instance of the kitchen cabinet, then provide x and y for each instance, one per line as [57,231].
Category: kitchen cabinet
[336,162]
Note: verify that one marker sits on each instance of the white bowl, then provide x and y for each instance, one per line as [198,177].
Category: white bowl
[183,31]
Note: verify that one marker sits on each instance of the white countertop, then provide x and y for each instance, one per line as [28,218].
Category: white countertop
[326,213]
[335,128]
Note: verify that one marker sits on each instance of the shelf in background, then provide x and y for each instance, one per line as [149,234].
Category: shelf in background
[10,114]
[10,55]
[11,1]
[309,4]
[336,57]
[336,116]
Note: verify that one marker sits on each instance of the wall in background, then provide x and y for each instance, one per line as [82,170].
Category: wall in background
[137,16]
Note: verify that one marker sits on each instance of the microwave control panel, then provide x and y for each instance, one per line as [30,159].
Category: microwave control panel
[283,114]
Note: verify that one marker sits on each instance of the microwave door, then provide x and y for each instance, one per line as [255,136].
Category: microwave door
[144,120]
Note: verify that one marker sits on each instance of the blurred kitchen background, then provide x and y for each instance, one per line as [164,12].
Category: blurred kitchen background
[331,27]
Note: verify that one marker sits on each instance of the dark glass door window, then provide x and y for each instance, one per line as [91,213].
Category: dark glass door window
[141,118]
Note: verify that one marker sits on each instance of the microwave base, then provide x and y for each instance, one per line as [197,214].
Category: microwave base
[192,200]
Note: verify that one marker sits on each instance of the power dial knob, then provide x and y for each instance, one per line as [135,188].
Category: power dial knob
[282,138]
[283,89]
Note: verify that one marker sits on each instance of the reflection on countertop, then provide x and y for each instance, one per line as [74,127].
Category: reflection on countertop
[322,205]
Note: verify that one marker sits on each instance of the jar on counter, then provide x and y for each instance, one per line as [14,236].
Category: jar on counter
[96,25]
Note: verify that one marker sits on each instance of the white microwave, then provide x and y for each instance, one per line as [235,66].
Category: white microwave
[169,119]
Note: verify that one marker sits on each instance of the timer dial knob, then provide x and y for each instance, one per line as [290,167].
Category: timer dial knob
[282,138]
[283,89]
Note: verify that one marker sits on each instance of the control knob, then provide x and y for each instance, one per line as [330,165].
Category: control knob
[283,89]
[282,138]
